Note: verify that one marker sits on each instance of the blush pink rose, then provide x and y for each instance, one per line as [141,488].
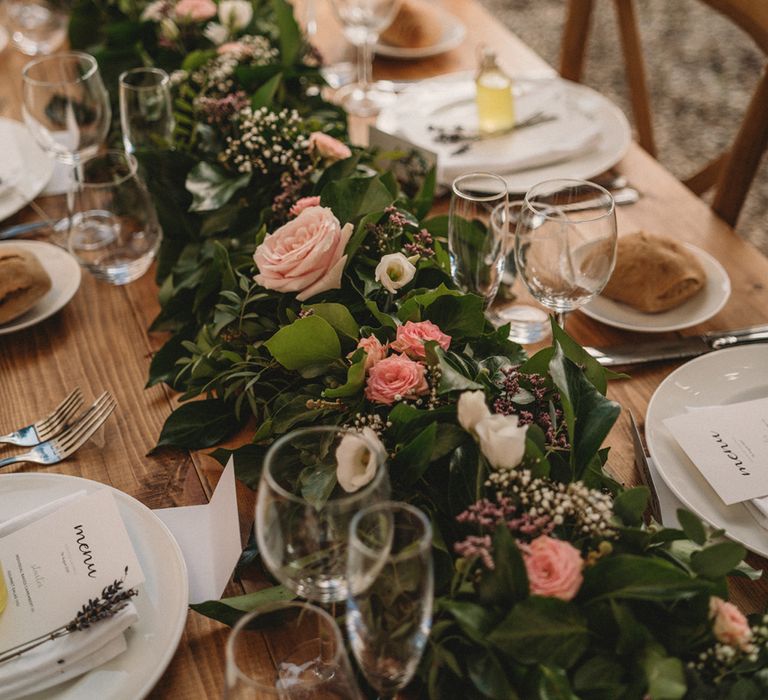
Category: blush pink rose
[302,204]
[729,624]
[554,568]
[236,47]
[306,255]
[195,10]
[394,378]
[328,147]
[412,336]
[375,351]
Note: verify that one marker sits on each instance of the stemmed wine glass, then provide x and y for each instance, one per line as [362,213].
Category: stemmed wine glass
[478,227]
[363,21]
[389,610]
[303,514]
[146,112]
[66,107]
[565,243]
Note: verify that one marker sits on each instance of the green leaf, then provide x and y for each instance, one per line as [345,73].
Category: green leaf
[717,560]
[665,674]
[475,620]
[488,676]
[412,460]
[212,187]
[230,610]
[163,367]
[451,378]
[599,673]
[554,684]
[692,526]
[422,202]
[630,505]
[308,344]
[354,383]
[265,95]
[289,34]
[507,583]
[199,424]
[355,197]
[339,317]
[380,316]
[248,460]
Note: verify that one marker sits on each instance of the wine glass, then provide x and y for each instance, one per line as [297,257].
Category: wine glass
[66,107]
[476,238]
[305,647]
[303,514]
[363,21]
[389,610]
[565,243]
[146,112]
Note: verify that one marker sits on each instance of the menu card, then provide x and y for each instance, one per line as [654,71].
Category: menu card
[54,565]
[729,446]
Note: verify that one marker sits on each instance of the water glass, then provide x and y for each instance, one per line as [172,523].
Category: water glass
[146,111]
[36,26]
[116,234]
[389,611]
[477,238]
[303,514]
[288,650]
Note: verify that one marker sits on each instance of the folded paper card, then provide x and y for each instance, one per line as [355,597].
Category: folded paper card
[729,446]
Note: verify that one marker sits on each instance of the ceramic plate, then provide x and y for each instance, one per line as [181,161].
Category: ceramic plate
[717,378]
[65,274]
[162,599]
[453,34]
[694,311]
[24,167]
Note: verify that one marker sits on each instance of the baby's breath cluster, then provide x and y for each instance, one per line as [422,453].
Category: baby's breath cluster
[719,659]
[370,420]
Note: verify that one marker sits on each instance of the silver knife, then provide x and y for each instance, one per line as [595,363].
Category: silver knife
[644,469]
[677,348]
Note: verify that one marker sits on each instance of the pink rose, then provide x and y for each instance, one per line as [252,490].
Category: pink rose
[729,626]
[302,204]
[328,147]
[195,10]
[236,47]
[394,378]
[412,336]
[375,351]
[306,255]
[554,567]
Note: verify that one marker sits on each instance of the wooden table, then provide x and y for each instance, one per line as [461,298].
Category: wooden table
[99,341]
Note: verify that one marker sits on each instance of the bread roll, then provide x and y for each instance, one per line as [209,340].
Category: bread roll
[23,282]
[416,25]
[654,273]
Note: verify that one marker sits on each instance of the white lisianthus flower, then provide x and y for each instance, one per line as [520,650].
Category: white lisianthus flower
[168,29]
[155,11]
[502,440]
[216,33]
[235,14]
[356,463]
[394,271]
[472,409]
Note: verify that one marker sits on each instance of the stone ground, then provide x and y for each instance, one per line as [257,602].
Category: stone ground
[701,72]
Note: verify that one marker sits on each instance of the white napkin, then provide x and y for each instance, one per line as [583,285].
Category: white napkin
[11,164]
[72,655]
[448,104]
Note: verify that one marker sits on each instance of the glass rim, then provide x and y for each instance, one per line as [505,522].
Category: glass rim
[80,55]
[563,215]
[345,499]
[164,78]
[301,605]
[476,196]
[425,540]
[128,158]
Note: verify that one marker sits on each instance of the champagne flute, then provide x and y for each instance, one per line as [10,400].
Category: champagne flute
[363,21]
[389,611]
[146,112]
[565,243]
[303,514]
[66,107]
[477,237]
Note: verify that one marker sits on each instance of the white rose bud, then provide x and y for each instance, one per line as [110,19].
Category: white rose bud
[216,33]
[356,463]
[235,14]
[168,29]
[502,440]
[472,409]
[394,271]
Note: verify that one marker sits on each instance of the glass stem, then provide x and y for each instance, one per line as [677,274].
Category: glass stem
[560,318]
[73,199]
[365,64]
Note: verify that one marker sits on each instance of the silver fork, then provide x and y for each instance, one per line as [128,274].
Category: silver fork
[62,446]
[47,427]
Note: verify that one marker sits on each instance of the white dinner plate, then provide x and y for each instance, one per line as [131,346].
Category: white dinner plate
[588,135]
[162,599]
[697,309]
[23,166]
[453,33]
[717,378]
[65,275]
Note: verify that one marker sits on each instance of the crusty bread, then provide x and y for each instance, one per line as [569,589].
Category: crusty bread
[416,25]
[654,273]
[23,282]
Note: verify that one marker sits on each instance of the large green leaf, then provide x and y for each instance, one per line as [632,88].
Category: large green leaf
[507,582]
[412,460]
[488,675]
[289,34]
[717,560]
[212,187]
[339,317]
[665,674]
[199,424]
[230,610]
[306,345]
[265,95]
[355,197]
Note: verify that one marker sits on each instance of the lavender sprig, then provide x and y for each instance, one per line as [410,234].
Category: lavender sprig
[111,601]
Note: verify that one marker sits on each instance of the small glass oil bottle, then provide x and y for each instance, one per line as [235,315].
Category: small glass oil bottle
[495,104]
[3,591]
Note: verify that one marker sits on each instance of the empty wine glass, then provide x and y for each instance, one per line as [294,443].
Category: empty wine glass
[476,238]
[66,107]
[303,514]
[288,650]
[389,611]
[363,21]
[146,112]
[565,243]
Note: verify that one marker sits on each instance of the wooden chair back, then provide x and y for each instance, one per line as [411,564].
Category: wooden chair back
[732,172]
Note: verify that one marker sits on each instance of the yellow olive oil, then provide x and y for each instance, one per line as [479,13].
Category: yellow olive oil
[495,104]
